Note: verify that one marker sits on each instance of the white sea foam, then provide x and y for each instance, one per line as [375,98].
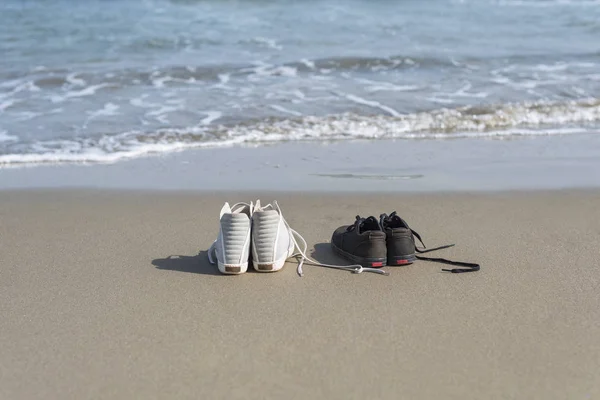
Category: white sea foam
[552,67]
[18,86]
[390,87]
[502,121]
[371,103]
[161,111]
[282,70]
[72,79]
[285,110]
[378,86]
[5,137]
[7,103]
[440,100]
[109,110]
[464,92]
[270,43]
[309,64]
[298,93]
[11,83]
[29,115]
[88,91]
[224,78]
[26,115]
[160,81]
[211,116]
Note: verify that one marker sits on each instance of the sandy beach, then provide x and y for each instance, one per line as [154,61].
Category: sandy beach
[104,294]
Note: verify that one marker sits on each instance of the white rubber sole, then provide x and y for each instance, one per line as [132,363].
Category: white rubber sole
[273,266]
[233,269]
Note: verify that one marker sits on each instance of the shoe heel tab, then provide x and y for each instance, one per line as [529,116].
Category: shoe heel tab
[377,235]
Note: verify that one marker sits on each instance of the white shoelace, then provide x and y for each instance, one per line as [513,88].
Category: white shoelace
[301,252]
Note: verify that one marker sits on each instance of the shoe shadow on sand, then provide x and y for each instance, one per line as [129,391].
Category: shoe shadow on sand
[197,264]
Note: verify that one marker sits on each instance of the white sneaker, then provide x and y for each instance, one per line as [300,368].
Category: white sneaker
[272,241]
[232,246]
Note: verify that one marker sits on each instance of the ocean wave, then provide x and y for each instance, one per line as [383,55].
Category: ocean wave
[177,74]
[42,78]
[504,121]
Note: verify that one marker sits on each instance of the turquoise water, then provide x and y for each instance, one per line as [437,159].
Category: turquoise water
[102,81]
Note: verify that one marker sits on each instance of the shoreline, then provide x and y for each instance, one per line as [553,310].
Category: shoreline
[463,165]
[275,194]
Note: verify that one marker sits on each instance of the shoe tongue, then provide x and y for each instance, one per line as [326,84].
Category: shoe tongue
[394,221]
[368,224]
[241,208]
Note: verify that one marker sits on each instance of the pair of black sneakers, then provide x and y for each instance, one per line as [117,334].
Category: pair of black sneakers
[388,241]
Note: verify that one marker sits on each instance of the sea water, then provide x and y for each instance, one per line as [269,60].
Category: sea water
[105,80]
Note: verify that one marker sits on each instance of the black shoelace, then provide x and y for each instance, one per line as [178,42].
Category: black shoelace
[468,267]
[360,222]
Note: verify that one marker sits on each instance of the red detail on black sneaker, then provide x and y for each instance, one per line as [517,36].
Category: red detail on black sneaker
[377,264]
[400,262]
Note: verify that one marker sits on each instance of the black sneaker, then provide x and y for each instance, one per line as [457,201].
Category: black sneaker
[400,240]
[362,243]
[401,248]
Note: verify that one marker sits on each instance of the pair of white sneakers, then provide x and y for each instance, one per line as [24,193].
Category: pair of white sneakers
[247,228]
[261,234]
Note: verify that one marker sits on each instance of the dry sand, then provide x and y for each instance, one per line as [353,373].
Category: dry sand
[93,307]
